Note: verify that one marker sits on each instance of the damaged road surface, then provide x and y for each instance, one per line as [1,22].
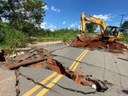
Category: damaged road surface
[74,71]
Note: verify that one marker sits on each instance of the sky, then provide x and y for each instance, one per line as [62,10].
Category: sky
[66,13]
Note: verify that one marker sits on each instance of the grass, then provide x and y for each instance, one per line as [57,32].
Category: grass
[58,36]
[61,36]
[125,38]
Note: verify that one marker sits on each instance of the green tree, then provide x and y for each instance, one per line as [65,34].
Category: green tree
[125,25]
[91,27]
[19,12]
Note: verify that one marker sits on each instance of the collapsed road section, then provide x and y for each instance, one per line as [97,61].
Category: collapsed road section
[42,58]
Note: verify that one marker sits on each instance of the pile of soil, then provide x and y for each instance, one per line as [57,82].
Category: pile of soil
[98,42]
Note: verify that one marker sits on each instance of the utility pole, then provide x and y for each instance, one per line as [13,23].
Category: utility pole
[122,17]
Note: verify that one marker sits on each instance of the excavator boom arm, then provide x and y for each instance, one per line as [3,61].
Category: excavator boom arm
[93,20]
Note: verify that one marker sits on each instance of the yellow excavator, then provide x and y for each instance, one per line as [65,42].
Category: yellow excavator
[110,33]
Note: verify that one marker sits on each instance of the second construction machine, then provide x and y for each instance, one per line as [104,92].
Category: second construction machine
[108,33]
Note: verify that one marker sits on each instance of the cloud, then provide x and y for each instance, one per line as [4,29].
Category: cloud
[75,25]
[105,17]
[63,22]
[55,9]
[45,7]
[47,25]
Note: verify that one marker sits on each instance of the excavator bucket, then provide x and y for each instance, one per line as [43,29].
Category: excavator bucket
[81,37]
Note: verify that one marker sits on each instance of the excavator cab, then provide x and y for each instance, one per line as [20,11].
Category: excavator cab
[113,32]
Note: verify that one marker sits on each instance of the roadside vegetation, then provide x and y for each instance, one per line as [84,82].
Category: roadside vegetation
[125,38]
[10,37]
[62,34]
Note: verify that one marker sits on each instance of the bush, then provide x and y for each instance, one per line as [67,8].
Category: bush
[11,38]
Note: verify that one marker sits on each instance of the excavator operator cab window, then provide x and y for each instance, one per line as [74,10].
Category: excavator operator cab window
[108,30]
[112,31]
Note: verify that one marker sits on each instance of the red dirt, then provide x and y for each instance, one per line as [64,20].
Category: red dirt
[39,64]
[56,66]
[79,78]
[98,42]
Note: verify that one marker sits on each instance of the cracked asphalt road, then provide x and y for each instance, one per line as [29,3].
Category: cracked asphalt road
[101,65]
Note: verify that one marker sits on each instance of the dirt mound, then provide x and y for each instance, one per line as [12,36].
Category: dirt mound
[98,42]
